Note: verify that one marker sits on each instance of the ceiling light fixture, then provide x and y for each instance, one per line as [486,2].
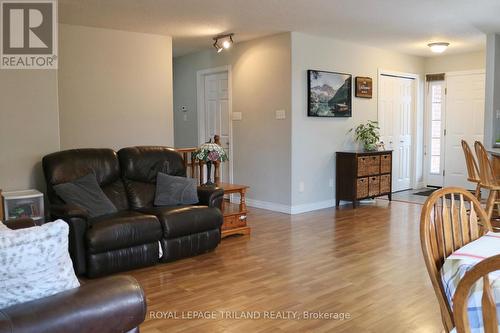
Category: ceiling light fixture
[223,42]
[438,47]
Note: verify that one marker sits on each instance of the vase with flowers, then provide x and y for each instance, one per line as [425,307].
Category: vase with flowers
[209,153]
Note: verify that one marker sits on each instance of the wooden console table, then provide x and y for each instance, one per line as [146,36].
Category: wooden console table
[235,216]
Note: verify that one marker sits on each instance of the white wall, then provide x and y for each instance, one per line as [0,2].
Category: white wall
[492,102]
[315,140]
[455,62]
[29,126]
[261,85]
[115,88]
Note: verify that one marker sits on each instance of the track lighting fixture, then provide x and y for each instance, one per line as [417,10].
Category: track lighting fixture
[223,42]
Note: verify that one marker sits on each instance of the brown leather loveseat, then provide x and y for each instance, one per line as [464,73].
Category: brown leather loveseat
[131,238]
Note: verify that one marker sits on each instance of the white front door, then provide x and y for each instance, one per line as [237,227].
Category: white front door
[395,120]
[217,115]
[464,121]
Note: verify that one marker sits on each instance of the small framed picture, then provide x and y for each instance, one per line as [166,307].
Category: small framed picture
[364,87]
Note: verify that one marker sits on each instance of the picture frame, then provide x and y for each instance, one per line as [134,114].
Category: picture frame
[364,87]
[329,94]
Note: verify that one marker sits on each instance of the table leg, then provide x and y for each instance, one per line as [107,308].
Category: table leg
[243,205]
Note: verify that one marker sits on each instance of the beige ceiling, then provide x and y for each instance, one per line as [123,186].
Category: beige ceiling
[402,25]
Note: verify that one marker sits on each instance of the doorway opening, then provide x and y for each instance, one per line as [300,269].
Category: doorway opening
[214,101]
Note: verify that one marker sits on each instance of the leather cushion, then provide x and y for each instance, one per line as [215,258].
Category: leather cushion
[68,165]
[140,167]
[122,230]
[144,163]
[180,221]
[140,194]
[117,194]
[109,262]
[191,245]
[112,305]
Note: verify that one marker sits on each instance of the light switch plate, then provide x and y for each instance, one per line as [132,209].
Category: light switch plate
[280,114]
[237,116]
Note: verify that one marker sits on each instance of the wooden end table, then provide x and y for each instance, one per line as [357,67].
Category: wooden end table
[235,216]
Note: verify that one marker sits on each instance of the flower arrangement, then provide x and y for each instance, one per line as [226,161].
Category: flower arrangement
[211,152]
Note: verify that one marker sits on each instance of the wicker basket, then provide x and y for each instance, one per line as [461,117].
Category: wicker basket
[385,164]
[385,183]
[362,166]
[373,165]
[374,186]
[362,188]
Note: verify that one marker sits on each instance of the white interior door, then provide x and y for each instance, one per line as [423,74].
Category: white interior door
[217,115]
[465,97]
[395,118]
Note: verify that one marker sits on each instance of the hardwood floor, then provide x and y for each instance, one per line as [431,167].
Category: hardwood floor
[365,262]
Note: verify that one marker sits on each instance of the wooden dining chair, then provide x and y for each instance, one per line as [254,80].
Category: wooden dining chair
[451,218]
[488,304]
[487,178]
[472,168]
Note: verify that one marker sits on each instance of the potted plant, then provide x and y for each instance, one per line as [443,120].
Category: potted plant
[367,134]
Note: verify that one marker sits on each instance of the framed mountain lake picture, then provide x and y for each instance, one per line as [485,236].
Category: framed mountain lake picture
[329,94]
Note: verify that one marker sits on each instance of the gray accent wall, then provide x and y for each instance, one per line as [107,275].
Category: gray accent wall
[261,85]
[295,171]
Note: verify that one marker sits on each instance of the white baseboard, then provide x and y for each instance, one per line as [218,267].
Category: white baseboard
[287,209]
[304,208]
[275,207]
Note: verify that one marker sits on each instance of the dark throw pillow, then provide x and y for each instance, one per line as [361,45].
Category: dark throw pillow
[172,190]
[86,193]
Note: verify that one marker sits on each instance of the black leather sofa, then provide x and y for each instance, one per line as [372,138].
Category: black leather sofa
[112,305]
[131,237]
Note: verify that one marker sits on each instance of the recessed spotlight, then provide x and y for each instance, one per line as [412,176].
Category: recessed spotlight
[438,47]
[225,40]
